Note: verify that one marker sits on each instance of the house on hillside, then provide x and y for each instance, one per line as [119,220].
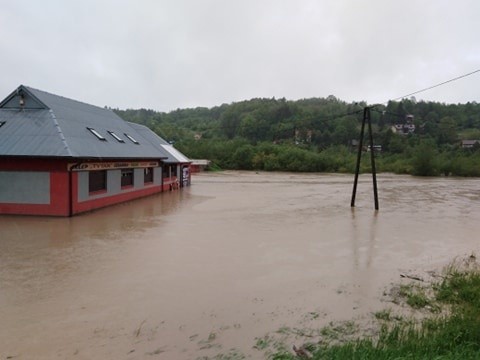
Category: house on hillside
[62,157]
[468,144]
[405,127]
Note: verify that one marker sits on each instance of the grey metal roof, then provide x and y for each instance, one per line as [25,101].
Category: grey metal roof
[52,125]
[172,155]
[28,133]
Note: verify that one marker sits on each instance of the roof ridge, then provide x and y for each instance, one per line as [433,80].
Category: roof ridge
[60,132]
[66,98]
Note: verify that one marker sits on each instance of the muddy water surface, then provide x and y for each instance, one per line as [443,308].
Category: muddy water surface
[209,269]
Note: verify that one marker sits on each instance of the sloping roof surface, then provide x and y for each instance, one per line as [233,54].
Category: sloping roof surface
[60,129]
[172,155]
[29,133]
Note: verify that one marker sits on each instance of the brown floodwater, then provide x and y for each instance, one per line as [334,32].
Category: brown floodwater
[210,269]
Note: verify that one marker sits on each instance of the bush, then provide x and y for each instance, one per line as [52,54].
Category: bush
[424,160]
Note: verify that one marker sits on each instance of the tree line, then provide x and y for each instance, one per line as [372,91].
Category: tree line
[315,135]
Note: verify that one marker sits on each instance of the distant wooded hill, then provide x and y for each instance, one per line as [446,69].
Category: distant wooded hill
[316,134]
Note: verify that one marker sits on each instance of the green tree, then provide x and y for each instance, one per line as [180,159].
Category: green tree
[345,131]
[230,121]
[242,158]
[424,159]
[397,144]
[447,133]
[259,133]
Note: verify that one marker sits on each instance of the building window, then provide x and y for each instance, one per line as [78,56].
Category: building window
[147,175]
[97,181]
[165,171]
[116,137]
[96,133]
[127,177]
[132,139]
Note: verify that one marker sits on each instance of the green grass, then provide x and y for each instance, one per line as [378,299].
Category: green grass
[440,337]
[417,298]
[263,343]
[385,315]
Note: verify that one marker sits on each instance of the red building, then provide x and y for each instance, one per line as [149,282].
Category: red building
[62,157]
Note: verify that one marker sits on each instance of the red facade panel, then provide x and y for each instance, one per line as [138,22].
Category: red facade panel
[170,183]
[59,193]
[64,189]
[79,207]
[31,164]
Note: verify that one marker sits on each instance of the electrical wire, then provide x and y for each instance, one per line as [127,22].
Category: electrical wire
[372,107]
[384,112]
[430,87]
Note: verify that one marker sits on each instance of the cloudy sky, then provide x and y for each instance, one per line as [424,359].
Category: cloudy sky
[168,54]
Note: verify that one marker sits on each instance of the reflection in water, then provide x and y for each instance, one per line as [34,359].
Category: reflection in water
[40,252]
[237,254]
[360,226]
[364,243]
[103,223]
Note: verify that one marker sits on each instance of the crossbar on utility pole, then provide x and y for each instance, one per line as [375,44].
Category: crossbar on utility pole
[366,117]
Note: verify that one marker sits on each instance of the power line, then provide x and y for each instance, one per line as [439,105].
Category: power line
[341,115]
[431,87]
[373,107]
[384,112]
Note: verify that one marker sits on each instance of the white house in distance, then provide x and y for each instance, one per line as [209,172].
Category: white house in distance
[468,144]
[406,127]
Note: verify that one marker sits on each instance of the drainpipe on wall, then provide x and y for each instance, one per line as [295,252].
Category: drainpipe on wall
[70,189]
[70,200]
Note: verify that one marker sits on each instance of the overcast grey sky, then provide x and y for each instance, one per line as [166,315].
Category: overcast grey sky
[168,54]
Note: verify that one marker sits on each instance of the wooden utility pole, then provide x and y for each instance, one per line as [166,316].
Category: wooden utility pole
[366,117]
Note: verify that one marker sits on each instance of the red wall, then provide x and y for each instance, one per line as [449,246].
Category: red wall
[60,183]
[79,207]
[170,184]
[59,186]
[30,164]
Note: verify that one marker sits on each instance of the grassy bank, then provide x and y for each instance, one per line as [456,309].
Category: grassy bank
[448,329]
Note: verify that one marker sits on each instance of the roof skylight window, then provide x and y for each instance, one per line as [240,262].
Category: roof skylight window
[96,133]
[2,123]
[116,137]
[131,139]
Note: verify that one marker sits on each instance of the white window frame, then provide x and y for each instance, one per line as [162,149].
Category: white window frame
[96,133]
[116,137]
[132,139]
